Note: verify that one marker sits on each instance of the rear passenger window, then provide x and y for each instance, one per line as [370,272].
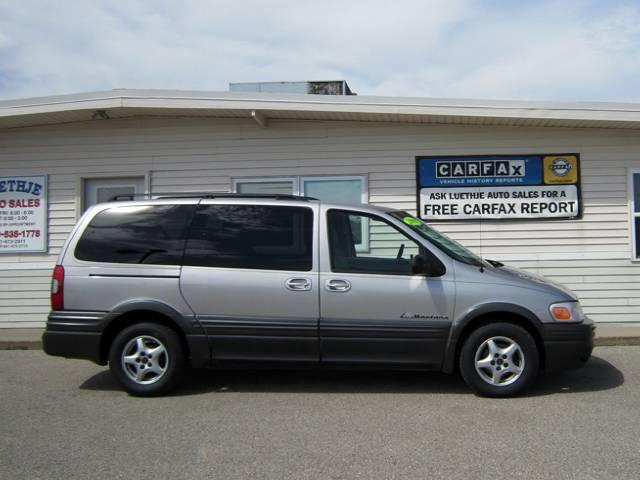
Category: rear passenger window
[251,236]
[145,234]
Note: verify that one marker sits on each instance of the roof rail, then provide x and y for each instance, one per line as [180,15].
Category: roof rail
[273,196]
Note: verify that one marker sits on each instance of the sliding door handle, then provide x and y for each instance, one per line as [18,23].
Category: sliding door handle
[338,285]
[298,284]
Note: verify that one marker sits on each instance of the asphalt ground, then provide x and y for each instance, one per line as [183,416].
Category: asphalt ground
[67,419]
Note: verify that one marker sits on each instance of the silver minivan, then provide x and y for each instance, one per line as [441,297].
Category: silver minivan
[152,287]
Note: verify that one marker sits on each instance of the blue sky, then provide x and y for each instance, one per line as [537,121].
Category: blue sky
[536,50]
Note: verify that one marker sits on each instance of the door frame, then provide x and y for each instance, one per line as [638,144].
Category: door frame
[423,351]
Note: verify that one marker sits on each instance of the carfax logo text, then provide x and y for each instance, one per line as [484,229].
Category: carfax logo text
[480,168]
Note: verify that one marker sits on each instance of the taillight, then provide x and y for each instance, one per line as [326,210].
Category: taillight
[57,288]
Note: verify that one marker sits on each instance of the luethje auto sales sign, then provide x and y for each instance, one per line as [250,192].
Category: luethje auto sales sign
[498,187]
[23,214]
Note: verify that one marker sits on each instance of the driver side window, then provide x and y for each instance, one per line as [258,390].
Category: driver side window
[390,251]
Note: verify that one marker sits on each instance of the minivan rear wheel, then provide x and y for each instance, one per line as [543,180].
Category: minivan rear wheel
[147,359]
[499,360]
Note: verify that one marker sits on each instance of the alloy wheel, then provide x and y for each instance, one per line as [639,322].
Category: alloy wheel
[144,359]
[499,361]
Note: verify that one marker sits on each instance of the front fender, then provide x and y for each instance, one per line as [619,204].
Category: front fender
[468,317]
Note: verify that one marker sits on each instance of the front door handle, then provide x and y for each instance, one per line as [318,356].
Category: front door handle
[338,285]
[298,284]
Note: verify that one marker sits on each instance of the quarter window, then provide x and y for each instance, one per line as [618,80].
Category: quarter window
[141,234]
[251,236]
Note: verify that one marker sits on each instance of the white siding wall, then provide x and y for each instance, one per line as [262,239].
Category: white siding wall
[592,256]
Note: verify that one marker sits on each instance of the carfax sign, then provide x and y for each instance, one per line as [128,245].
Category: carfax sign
[23,214]
[499,187]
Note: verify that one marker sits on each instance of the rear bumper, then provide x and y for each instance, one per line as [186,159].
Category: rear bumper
[568,345]
[85,345]
[74,335]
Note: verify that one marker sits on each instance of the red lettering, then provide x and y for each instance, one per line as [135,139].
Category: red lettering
[23,203]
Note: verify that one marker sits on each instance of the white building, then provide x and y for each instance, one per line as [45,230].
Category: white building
[91,147]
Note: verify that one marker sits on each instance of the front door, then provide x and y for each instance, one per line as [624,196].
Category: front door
[373,308]
[250,276]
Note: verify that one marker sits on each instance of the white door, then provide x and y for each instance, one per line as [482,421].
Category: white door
[100,190]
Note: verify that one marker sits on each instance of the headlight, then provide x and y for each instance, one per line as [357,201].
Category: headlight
[566,312]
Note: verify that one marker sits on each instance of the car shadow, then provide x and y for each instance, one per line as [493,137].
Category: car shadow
[597,375]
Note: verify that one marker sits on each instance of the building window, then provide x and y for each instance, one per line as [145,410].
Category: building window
[285,185]
[100,190]
[335,189]
[634,188]
[342,189]
[345,189]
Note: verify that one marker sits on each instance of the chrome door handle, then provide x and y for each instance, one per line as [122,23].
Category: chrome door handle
[338,285]
[298,284]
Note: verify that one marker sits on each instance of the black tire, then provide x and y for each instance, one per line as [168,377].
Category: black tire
[506,382]
[160,372]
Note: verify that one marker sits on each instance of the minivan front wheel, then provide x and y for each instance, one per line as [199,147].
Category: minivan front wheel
[147,359]
[499,360]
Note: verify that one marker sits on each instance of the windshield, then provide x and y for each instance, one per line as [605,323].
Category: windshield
[444,243]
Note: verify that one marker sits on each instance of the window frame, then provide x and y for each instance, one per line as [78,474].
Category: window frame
[293,179]
[371,216]
[633,215]
[364,194]
[298,182]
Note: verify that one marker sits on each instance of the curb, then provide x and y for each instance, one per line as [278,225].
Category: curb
[616,341]
[20,345]
[599,342]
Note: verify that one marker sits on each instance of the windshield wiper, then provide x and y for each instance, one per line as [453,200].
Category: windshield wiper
[495,263]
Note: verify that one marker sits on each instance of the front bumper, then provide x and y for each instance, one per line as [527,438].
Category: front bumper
[567,345]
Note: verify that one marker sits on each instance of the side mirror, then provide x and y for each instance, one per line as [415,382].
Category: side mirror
[427,265]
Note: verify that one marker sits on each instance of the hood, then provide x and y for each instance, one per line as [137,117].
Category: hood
[529,279]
